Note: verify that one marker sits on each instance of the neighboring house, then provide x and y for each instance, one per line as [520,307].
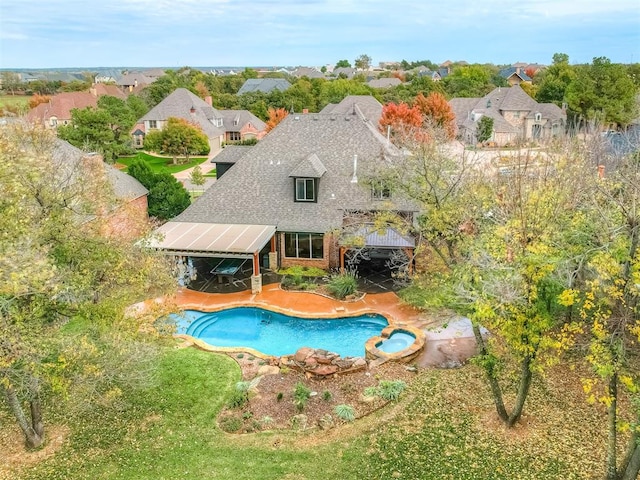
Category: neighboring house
[127,211]
[384,82]
[240,125]
[423,71]
[366,106]
[218,125]
[307,72]
[514,75]
[344,72]
[516,116]
[108,76]
[57,111]
[285,201]
[131,81]
[264,85]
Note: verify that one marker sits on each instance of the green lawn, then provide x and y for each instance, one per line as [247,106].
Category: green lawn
[444,428]
[19,102]
[159,164]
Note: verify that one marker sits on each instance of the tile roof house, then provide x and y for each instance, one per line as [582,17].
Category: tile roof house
[57,111]
[301,183]
[218,125]
[515,114]
[264,85]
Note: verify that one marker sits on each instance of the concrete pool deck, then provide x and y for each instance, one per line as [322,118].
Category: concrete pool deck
[450,345]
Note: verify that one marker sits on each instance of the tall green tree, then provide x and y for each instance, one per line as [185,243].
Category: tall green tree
[553,81]
[468,81]
[91,130]
[603,92]
[167,196]
[363,62]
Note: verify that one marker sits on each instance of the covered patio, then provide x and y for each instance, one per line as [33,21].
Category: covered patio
[214,250]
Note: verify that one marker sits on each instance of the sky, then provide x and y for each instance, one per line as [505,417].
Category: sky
[176,33]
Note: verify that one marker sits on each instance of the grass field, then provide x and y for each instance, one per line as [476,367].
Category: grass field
[443,428]
[14,102]
[159,164]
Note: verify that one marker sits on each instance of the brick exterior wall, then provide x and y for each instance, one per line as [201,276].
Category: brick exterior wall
[330,260]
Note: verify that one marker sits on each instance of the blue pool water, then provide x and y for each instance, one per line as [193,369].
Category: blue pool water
[277,334]
[396,342]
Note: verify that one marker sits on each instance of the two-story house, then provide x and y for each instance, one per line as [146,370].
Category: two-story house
[287,200]
[218,125]
[516,116]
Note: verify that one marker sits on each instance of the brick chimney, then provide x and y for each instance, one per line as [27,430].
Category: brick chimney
[209,100]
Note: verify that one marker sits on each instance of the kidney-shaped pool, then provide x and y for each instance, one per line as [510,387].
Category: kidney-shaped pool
[277,334]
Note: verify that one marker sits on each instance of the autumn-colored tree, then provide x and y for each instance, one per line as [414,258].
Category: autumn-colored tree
[400,117]
[608,299]
[58,269]
[276,115]
[201,89]
[438,112]
[399,75]
[37,99]
[530,72]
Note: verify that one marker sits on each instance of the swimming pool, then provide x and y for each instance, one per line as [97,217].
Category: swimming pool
[277,334]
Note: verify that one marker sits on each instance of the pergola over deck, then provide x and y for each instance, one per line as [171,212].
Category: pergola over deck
[215,240]
[386,239]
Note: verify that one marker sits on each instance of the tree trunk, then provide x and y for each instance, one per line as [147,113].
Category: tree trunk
[633,467]
[630,466]
[612,473]
[523,391]
[34,437]
[496,392]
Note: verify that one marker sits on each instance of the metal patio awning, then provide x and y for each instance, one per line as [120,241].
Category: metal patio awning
[211,239]
[387,238]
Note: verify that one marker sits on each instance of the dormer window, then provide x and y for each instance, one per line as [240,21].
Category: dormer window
[306,189]
[380,191]
[217,122]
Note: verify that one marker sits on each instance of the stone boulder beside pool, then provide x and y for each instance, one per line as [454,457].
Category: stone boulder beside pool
[321,363]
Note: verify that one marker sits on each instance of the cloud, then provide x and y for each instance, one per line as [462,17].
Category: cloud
[211,32]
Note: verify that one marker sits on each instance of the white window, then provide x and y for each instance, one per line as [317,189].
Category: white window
[538,117]
[153,124]
[305,190]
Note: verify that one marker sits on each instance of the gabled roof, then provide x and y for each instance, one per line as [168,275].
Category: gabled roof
[509,98]
[67,158]
[348,72]
[384,82]
[179,103]
[265,85]
[60,106]
[258,189]
[232,153]
[134,79]
[235,120]
[310,167]
[307,72]
[365,106]
[518,71]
